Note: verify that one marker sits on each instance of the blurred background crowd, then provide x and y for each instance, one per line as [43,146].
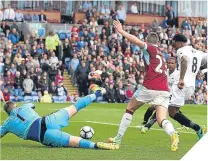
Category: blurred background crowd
[34,69]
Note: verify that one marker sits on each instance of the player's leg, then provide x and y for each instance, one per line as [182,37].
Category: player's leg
[148,114]
[83,143]
[183,120]
[167,126]
[141,96]
[85,101]
[59,119]
[132,106]
[177,100]
[147,126]
[162,101]
[57,138]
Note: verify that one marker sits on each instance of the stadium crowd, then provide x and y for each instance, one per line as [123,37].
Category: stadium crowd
[33,68]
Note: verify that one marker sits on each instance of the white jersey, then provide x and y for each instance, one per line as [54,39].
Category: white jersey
[194,58]
[172,77]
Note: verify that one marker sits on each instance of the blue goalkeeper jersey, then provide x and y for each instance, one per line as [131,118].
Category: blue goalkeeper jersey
[19,121]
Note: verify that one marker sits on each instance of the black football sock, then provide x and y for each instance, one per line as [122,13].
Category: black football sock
[147,115]
[183,120]
[151,122]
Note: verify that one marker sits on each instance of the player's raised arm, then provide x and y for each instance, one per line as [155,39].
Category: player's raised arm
[130,37]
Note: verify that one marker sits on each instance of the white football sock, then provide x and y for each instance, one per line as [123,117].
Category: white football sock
[168,127]
[125,122]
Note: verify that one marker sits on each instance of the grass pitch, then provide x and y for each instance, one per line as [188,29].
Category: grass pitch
[104,119]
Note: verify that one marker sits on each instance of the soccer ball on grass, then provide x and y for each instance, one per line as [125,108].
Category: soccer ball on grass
[86,132]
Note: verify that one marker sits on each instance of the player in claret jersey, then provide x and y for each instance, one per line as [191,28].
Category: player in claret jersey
[172,76]
[154,90]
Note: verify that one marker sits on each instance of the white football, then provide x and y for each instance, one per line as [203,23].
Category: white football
[86,132]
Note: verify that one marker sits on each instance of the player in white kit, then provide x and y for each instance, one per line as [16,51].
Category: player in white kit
[189,61]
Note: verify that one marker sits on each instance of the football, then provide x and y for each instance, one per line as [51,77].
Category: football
[86,132]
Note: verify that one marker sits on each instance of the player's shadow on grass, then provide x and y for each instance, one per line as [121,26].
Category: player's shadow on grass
[15,145]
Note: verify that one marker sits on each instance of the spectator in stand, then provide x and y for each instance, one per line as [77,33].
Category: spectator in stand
[105,12]
[33,76]
[121,14]
[82,75]
[61,90]
[29,63]
[18,84]
[1,15]
[165,23]
[107,29]
[9,80]
[171,16]
[73,68]
[87,5]
[28,17]
[19,17]
[89,14]
[59,77]
[38,85]
[129,92]
[6,94]
[28,86]
[204,26]
[94,77]
[113,13]
[36,63]
[15,26]
[193,31]
[46,98]
[52,89]
[155,24]
[199,80]
[186,31]
[44,62]
[106,83]
[5,27]
[185,23]
[52,72]
[13,70]
[42,17]
[163,36]
[9,14]
[14,36]
[61,67]
[52,42]
[134,8]
[93,24]
[120,93]
[53,59]
[44,82]
[35,18]
[111,94]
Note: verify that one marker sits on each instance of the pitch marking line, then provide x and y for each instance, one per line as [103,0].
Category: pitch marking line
[156,129]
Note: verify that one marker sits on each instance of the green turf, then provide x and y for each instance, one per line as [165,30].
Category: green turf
[154,145]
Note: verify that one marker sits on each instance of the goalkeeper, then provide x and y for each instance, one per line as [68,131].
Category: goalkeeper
[25,123]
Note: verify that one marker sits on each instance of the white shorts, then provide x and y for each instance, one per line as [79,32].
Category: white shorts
[178,96]
[152,96]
